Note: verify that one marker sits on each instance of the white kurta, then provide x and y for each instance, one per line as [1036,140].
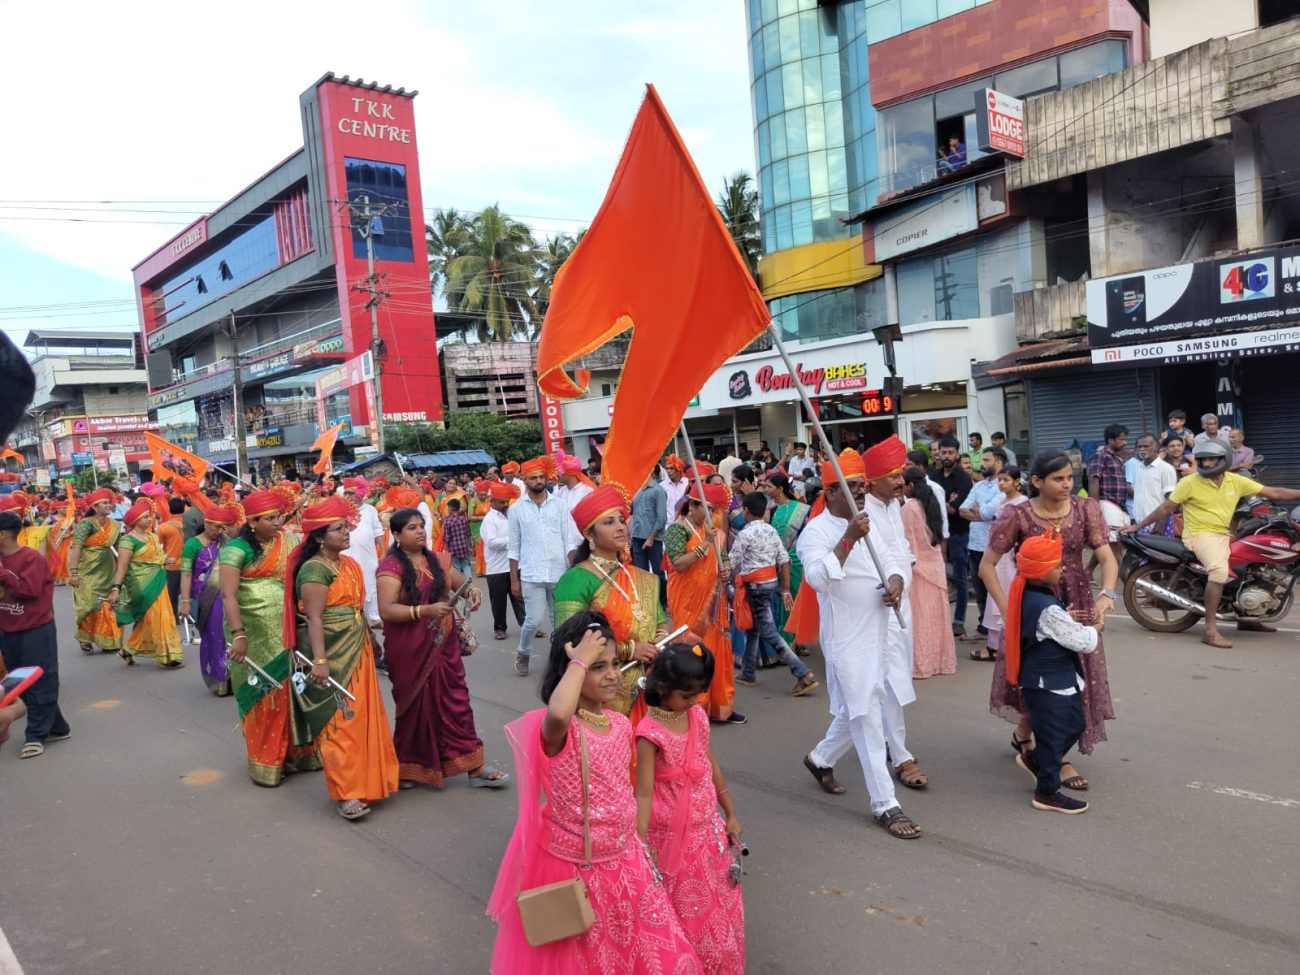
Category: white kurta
[890,539]
[361,549]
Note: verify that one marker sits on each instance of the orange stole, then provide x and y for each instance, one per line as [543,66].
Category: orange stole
[272,563]
[695,598]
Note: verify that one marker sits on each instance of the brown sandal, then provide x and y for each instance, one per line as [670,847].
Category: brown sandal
[1076,781]
[896,824]
[910,774]
[825,777]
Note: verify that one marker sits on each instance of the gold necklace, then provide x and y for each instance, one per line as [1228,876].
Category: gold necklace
[594,719]
[638,614]
[1054,522]
[663,714]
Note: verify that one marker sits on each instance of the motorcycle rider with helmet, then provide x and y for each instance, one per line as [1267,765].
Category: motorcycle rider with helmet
[1208,501]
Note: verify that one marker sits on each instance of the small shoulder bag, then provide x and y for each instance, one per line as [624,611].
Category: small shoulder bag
[561,910]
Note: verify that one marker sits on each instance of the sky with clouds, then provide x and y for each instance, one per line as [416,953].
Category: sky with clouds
[134,119]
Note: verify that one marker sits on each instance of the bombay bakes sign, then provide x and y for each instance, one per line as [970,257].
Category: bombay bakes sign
[765,379]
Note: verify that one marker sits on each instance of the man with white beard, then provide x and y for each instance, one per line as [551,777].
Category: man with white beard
[868,674]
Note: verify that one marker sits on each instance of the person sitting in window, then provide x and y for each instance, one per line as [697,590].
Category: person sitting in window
[953,157]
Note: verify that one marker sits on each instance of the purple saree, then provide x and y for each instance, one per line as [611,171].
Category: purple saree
[205,604]
[434,736]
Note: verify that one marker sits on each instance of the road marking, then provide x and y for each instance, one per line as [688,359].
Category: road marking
[201,776]
[103,705]
[8,960]
[1224,790]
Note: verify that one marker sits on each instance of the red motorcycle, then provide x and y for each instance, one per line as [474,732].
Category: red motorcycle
[1164,588]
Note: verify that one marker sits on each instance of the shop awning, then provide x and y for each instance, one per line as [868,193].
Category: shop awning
[449,460]
[1039,356]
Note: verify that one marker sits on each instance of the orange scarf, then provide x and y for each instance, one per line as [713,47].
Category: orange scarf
[740,602]
[271,563]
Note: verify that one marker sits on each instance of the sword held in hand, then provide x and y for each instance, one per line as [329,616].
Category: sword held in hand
[658,646]
[257,672]
[333,683]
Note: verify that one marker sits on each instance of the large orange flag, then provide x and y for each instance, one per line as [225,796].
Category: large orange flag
[9,452]
[325,444]
[657,259]
[170,460]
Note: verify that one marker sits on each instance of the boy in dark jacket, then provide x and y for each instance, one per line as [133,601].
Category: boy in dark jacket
[1042,643]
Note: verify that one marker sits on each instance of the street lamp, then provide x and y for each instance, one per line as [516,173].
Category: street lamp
[886,336]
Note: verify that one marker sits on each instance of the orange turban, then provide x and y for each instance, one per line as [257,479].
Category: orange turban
[597,505]
[702,468]
[322,514]
[401,497]
[850,463]
[510,467]
[1038,555]
[136,512]
[263,503]
[98,495]
[222,514]
[549,465]
[14,502]
[884,458]
[717,495]
[501,491]
[674,463]
[535,466]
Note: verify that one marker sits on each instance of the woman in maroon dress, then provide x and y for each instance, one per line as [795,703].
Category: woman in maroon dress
[435,735]
[1079,520]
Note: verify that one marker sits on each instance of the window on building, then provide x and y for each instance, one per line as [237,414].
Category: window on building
[976,280]
[1092,62]
[606,389]
[246,256]
[383,185]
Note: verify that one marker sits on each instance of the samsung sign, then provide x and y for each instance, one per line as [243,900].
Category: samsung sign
[931,221]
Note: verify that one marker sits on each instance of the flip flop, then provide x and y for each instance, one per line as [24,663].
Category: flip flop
[482,780]
[32,749]
[353,809]
[1220,644]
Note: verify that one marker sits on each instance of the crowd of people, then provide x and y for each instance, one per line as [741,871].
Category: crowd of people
[653,609]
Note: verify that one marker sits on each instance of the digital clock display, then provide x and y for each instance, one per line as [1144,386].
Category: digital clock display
[876,403]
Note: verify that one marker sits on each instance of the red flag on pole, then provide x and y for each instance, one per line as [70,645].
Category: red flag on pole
[658,260]
[170,460]
[325,444]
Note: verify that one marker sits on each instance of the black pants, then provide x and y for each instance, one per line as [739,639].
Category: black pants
[1057,720]
[38,648]
[174,590]
[977,586]
[498,592]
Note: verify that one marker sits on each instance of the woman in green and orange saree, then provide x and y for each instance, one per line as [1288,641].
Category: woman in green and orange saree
[252,571]
[91,561]
[139,592]
[628,597]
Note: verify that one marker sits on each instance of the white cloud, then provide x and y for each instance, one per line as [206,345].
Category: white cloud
[522,104]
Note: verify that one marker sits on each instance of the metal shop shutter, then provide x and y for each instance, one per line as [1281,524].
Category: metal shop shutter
[1079,406]
[1269,415]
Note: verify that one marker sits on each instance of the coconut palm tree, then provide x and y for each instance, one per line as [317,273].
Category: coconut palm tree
[549,261]
[445,236]
[738,204]
[492,277]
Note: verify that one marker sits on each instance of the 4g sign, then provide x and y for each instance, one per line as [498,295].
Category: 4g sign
[1000,122]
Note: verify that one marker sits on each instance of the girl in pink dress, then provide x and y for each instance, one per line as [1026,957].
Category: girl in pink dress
[636,929]
[679,788]
[933,649]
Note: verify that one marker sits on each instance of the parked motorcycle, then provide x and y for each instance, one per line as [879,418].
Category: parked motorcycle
[1164,588]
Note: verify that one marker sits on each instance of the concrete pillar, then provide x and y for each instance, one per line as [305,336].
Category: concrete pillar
[1098,252]
[1249,183]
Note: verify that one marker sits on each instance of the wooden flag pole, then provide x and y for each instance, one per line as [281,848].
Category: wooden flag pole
[835,461]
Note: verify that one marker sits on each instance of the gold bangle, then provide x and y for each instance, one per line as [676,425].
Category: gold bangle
[320,661]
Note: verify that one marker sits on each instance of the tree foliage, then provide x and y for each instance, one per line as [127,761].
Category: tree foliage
[738,203]
[503,438]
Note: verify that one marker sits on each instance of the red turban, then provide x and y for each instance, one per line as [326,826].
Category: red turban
[674,463]
[136,512]
[322,514]
[510,467]
[597,504]
[263,503]
[401,497]
[222,514]
[1038,555]
[502,491]
[357,485]
[535,466]
[850,463]
[98,495]
[13,502]
[718,496]
[703,468]
[884,458]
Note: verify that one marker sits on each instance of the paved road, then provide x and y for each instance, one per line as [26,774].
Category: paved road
[139,846]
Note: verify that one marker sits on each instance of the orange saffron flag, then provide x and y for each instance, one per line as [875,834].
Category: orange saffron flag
[325,444]
[9,452]
[170,461]
[658,260]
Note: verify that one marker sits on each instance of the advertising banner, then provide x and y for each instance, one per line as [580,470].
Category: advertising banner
[1000,122]
[1251,290]
[1206,348]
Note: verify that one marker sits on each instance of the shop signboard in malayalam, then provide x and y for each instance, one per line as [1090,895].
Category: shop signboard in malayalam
[1000,122]
[1250,290]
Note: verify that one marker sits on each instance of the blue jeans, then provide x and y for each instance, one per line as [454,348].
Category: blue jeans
[539,610]
[464,565]
[760,604]
[652,560]
[958,564]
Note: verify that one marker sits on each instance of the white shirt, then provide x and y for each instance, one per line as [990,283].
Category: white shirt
[1151,486]
[541,538]
[495,534]
[675,493]
[361,549]
[728,465]
[574,495]
[1055,623]
[804,465]
[427,515]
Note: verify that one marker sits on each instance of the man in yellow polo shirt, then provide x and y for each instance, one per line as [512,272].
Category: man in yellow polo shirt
[1208,502]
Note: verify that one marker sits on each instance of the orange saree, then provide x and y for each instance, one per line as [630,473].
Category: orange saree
[695,598]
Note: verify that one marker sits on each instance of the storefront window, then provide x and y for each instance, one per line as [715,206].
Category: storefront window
[179,423]
[249,255]
[926,431]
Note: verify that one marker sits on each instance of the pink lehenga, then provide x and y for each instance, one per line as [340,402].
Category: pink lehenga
[688,837]
[636,930]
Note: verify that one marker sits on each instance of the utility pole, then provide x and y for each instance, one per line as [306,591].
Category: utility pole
[372,225]
[241,435]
